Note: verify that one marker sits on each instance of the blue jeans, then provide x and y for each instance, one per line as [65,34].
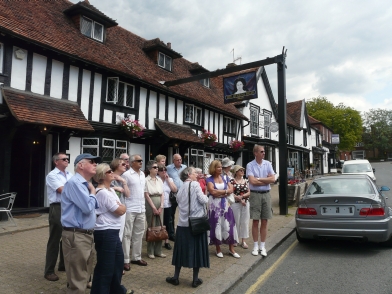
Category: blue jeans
[110,262]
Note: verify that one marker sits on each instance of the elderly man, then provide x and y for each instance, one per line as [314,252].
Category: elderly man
[125,157]
[135,216]
[260,174]
[174,170]
[78,204]
[55,181]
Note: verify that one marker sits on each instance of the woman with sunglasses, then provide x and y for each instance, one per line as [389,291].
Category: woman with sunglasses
[110,256]
[168,186]
[153,192]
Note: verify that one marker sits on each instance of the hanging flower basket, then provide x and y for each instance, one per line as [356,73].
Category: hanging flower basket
[131,127]
[208,138]
[236,145]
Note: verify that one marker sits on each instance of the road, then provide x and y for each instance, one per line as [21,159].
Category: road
[325,266]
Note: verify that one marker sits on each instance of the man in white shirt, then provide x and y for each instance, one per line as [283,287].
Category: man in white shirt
[135,216]
[55,181]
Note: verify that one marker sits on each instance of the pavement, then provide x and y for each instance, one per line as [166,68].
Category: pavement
[23,249]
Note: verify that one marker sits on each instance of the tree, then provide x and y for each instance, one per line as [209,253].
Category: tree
[378,130]
[343,120]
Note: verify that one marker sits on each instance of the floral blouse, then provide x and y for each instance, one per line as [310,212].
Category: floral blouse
[240,189]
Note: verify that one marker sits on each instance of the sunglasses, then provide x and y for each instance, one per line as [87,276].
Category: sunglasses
[109,171]
[64,159]
[154,167]
[123,164]
[139,160]
[162,169]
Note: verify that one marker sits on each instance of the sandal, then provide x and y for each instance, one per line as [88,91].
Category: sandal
[244,245]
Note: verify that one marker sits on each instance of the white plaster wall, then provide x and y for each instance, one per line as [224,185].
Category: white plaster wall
[73,151]
[56,80]
[73,83]
[19,69]
[180,112]
[211,128]
[206,119]
[216,129]
[162,104]
[96,97]
[152,110]
[137,149]
[171,110]
[38,74]
[107,116]
[85,92]
[142,108]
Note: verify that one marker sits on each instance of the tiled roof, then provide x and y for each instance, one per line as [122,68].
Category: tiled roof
[45,24]
[177,131]
[294,109]
[312,120]
[289,120]
[156,44]
[37,109]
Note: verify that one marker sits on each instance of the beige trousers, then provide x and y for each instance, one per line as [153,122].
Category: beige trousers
[133,231]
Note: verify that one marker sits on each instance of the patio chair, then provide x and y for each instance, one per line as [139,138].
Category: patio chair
[8,198]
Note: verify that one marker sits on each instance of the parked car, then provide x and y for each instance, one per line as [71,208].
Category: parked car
[346,206]
[359,166]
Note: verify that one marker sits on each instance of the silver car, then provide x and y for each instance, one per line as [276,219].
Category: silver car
[346,206]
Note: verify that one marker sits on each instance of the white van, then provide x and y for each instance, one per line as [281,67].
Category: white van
[359,166]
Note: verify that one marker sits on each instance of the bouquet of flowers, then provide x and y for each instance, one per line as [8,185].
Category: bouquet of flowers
[132,127]
[208,138]
[236,145]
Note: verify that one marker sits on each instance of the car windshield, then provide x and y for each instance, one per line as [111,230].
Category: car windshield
[341,186]
[357,168]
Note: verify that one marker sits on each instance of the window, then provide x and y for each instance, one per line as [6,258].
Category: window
[228,125]
[290,136]
[1,57]
[119,93]
[267,122]
[165,61]
[305,143]
[205,82]
[91,29]
[254,120]
[193,114]
[90,145]
[112,149]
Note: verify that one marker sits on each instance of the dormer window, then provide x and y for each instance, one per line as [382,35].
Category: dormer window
[165,61]
[91,29]
[205,82]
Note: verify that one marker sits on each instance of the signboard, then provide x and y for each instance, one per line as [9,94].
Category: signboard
[240,87]
[290,173]
[335,139]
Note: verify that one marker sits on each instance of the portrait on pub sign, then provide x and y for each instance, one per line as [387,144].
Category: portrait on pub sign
[240,87]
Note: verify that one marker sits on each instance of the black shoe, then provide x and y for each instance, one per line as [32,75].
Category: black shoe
[61,269]
[168,246]
[172,238]
[173,281]
[197,283]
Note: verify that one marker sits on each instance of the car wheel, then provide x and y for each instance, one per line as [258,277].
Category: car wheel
[388,243]
[300,239]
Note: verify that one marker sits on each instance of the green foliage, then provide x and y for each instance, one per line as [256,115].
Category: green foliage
[378,130]
[343,120]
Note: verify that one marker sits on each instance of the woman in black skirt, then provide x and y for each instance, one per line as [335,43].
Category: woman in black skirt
[189,251]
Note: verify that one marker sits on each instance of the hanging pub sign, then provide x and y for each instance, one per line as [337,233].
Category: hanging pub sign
[335,139]
[240,87]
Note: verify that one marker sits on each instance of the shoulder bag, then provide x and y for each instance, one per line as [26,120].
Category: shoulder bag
[158,233]
[173,197]
[198,224]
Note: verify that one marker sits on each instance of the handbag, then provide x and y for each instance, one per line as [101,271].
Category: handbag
[231,198]
[173,197]
[157,233]
[199,224]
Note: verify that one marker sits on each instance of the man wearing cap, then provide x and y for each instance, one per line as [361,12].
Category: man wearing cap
[78,204]
[260,174]
[55,181]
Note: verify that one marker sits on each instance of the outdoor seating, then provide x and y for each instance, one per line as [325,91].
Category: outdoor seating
[9,199]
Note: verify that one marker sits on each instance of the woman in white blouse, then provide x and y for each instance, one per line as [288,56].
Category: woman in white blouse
[153,192]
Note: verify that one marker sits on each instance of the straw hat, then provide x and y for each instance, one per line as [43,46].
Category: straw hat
[227,162]
[236,168]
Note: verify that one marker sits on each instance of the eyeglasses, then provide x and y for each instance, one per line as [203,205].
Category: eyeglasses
[162,169]
[154,167]
[92,161]
[109,171]
[64,159]
[138,160]
[123,164]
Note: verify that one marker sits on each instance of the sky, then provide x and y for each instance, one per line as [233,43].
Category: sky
[336,49]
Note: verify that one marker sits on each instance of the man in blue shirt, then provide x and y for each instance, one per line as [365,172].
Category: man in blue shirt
[260,175]
[55,181]
[78,204]
[174,170]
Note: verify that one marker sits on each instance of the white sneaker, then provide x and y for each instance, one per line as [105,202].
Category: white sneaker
[263,252]
[255,251]
[220,254]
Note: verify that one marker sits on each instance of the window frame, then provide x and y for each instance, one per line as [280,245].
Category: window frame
[90,146]
[254,125]
[117,85]
[290,136]
[195,114]
[205,82]
[229,127]
[93,24]
[267,121]
[164,61]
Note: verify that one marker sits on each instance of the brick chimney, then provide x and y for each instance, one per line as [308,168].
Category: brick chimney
[169,45]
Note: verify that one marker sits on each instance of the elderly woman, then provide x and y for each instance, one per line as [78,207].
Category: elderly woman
[153,192]
[168,186]
[160,159]
[241,205]
[221,217]
[110,256]
[226,167]
[201,179]
[189,250]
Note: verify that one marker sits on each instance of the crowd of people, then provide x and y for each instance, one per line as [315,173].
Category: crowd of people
[105,222]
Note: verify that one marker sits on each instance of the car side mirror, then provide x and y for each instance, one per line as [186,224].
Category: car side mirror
[374,170]
[384,188]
